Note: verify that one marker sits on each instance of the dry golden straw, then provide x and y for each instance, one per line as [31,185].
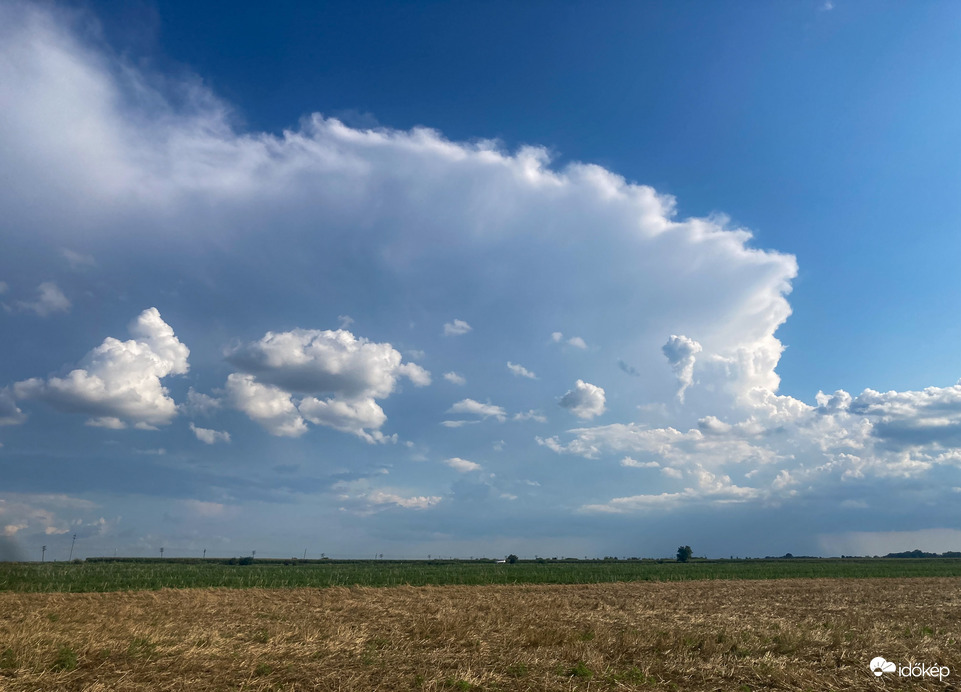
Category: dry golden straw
[688,636]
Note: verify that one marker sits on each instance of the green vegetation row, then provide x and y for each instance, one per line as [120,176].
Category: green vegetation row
[122,575]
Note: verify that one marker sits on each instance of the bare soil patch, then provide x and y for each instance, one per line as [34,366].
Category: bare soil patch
[691,636]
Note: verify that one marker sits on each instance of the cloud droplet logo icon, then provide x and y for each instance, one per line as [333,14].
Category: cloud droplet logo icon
[879,666]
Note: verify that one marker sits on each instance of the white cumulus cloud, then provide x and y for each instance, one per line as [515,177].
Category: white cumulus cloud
[681,352]
[454,378]
[348,372]
[586,400]
[314,361]
[531,414]
[462,465]
[575,341]
[119,382]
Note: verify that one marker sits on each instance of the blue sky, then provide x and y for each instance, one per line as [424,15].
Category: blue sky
[453,279]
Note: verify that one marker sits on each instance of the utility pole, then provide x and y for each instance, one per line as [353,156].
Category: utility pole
[43,551]
[161,552]
[205,553]
[71,547]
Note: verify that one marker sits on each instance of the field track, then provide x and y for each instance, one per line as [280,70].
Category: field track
[789,634]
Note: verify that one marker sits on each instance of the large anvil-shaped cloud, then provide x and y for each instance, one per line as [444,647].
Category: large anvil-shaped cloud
[507,235]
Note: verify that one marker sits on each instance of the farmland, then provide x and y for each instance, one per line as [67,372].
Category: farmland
[698,635]
[172,573]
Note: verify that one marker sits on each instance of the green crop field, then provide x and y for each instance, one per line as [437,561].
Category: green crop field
[124,575]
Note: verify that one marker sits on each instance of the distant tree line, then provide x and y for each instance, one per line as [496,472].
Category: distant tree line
[921,553]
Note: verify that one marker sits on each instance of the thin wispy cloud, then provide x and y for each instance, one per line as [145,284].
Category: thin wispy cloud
[520,371]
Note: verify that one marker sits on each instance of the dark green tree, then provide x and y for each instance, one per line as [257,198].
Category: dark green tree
[511,559]
[684,553]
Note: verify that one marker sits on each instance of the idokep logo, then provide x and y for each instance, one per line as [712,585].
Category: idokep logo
[879,666]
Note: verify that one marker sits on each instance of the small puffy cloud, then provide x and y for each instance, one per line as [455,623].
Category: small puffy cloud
[531,414]
[585,400]
[462,465]
[520,371]
[119,381]
[50,299]
[210,436]
[415,373]
[456,328]
[681,352]
[345,321]
[454,378]
[629,369]
[575,341]
[349,372]
[476,408]
[9,413]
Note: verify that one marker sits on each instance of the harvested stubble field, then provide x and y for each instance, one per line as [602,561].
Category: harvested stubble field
[791,634]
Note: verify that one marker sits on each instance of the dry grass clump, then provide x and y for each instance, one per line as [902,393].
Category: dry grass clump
[688,636]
